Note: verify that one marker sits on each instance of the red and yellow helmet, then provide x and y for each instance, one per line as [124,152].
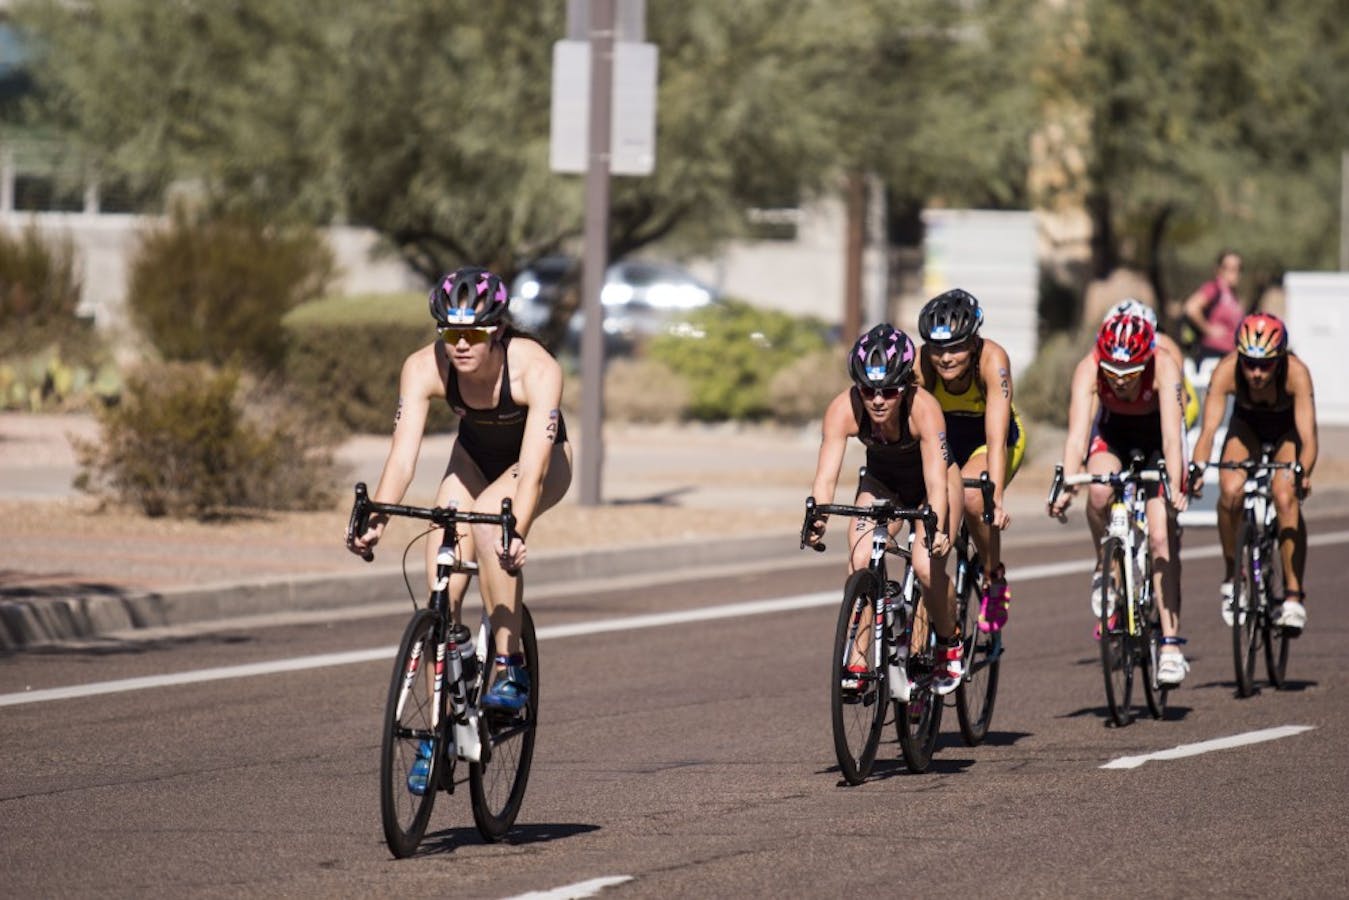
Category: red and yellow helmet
[1262,336]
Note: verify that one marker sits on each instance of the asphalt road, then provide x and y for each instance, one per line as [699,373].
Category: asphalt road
[692,759]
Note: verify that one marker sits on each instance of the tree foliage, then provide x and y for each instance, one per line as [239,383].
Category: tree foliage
[1211,123]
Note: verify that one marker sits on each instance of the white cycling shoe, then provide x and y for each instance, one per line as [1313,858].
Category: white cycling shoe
[1292,615]
[1172,667]
[1226,592]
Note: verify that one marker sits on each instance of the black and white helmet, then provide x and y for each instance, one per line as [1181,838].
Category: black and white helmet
[950,318]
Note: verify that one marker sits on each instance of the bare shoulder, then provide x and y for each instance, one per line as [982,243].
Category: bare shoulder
[1224,375]
[1299,375]
[994,359]
[421,371]
[925,409]
[838,416]
[531,359]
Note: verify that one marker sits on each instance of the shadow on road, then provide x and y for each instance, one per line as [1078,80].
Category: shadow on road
[451,839]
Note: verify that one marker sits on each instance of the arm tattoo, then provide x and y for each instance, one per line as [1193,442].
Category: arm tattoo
[1004,379]
[551,429]
[945,449]
[1180,396]
[398,413]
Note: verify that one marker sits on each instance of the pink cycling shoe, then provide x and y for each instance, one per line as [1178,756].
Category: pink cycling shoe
[993,606]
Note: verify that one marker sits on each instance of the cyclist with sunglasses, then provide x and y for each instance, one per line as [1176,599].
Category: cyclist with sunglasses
[1166,344]
[971,378]
[1134,397]
[512,442]
[908,462]
[1274,404]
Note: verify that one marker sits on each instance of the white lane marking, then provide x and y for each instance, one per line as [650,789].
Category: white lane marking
[570,891]
[1226,743]
[626,623]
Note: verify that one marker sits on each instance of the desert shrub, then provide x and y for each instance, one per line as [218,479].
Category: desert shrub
[344,355]
[1044,389]
[643,390]
[215,289]
[50,358]
[39,287]
[730,353]
[184,442]
[800,391]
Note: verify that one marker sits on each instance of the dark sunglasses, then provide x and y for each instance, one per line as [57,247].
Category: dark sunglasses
[889,393]
[1259,365]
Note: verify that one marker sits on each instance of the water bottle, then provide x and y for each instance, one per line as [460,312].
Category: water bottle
[463,640]
[1119,519]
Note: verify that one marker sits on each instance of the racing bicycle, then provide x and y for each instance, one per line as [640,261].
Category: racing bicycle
[979,688]
[432,718]
[1130,631]
[1257,588]
[884,652]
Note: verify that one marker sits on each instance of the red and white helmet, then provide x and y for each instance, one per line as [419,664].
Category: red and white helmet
[1125,343]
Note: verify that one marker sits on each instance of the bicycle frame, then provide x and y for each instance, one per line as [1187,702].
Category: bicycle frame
[449,683]
[1128,524]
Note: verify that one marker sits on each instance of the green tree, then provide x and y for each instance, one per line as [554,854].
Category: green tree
[1217,122]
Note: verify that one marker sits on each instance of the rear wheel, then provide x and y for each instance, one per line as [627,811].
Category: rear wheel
[497,782]
[979,688]
[858,693]
[919,720]
[408,734]
[1117,658]
[1248,623]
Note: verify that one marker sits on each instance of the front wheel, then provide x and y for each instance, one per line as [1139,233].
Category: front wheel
[858,692]
[411,739]
[1249,620]
[919,720]
[979,688]
[497,782]
[1275,638]
[1117,662]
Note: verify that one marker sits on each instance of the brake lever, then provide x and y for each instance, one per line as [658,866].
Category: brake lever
[357,523]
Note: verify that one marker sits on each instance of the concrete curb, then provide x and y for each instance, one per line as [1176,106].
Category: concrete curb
[27,622]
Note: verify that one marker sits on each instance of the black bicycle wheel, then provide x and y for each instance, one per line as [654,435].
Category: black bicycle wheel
[919,720]
[408,718]
[979,688]
[858,692]
[1148,651]
[1249,621]
[1117,656]
[1275,639]
[497,782]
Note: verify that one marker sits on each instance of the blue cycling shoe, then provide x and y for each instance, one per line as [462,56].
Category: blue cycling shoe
[510,692]
[421,769]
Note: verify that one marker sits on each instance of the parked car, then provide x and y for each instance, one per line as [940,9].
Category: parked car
[640,298]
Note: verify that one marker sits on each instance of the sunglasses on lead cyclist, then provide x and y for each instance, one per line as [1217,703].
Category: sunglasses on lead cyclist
[889,393]
[473,336]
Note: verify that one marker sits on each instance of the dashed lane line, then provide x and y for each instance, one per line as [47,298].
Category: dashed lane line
[1223,743]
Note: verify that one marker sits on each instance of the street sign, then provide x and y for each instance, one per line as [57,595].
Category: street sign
[632,146]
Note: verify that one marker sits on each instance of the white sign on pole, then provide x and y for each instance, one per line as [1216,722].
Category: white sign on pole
[632,147]
[1317,310]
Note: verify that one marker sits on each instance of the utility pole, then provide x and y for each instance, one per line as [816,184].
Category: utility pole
[596,248]
[855,198]
[1344,211]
